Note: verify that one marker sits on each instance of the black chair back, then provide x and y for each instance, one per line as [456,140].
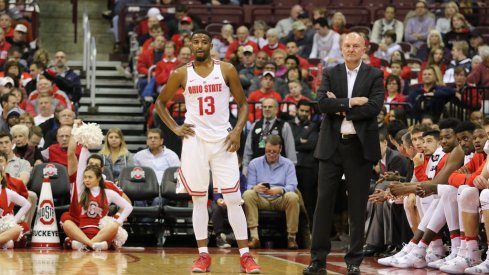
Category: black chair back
[169,186]
[58,176]
[139,183]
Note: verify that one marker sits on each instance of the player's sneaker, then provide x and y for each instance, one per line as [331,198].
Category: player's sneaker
[460,264]
[437,264]
[482,268]
[202,264]
[8,245]
[100,246]
[435,253]
[414,259]
[248,264]
[387,261]
[76,245]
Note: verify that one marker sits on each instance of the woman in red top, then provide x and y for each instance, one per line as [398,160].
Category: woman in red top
[13,226]
[393,93]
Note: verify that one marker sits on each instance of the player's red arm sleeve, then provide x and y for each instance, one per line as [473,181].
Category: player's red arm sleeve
[456,179]
[419,171]
[470,180]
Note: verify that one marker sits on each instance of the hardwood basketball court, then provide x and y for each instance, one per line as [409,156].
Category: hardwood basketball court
[174,261]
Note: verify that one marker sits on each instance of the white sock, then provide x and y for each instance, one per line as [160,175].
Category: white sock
[472,245]
[236,216]
[203,249]
[455,242]
[200,217]
[243,251]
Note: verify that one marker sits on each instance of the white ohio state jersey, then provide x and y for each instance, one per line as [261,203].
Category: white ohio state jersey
[207,103]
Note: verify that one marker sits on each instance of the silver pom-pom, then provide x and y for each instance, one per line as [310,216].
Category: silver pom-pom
[121,236]
[7,222]
[88,135]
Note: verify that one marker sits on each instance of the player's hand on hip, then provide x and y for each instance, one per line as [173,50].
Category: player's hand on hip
[185,130]
[232,141]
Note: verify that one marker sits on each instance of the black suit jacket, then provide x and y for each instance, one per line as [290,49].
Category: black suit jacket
[397,162]
[369,83]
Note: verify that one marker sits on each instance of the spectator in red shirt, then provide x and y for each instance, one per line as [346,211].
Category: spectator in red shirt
[272,42]
[148,59]
[242,34]
[292,49]
[154,31]
[4,46]
[186,28]
[393,92]
[265,91]
[166,66]
[6,25]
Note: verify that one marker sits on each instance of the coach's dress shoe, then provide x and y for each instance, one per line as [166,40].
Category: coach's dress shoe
[315,268]
[371,250]
[254,243]
[292,244]
[353,269]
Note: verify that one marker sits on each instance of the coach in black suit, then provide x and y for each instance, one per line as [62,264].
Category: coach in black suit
[350,98]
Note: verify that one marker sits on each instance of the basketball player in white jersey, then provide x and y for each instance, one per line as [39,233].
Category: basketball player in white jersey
[210,143]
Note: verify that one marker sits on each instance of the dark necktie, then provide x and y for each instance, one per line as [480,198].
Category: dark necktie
[267,127]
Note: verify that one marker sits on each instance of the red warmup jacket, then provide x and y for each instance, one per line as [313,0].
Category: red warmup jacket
[475,166]
[420,171]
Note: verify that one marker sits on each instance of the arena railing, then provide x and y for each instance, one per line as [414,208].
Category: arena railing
[89,58]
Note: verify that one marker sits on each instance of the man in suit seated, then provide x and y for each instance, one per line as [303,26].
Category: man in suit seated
[272,184]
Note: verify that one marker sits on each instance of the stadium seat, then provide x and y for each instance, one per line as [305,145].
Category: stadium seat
[139,183]
[363,29]
[108,174]
[60,186]
[407,48]
[175,212]
[214,28]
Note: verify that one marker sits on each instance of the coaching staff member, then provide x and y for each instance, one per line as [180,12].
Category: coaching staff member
[350,98]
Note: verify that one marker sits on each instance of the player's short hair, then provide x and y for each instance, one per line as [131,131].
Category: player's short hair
[420,128]
[201,31]
[433,133]
[465,126]
[448,123]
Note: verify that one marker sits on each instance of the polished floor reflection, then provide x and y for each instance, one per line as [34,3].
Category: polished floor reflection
[173,261]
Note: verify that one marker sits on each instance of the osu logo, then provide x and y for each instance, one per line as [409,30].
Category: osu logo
[137,173]
[50,170]
[94,210]
[46,212]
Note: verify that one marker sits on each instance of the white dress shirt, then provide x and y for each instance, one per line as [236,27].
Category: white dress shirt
[351,75]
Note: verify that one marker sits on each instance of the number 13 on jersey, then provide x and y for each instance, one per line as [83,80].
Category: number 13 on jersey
[206,105]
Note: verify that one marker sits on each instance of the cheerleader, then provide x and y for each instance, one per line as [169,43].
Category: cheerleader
[11,227]
[91,198]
